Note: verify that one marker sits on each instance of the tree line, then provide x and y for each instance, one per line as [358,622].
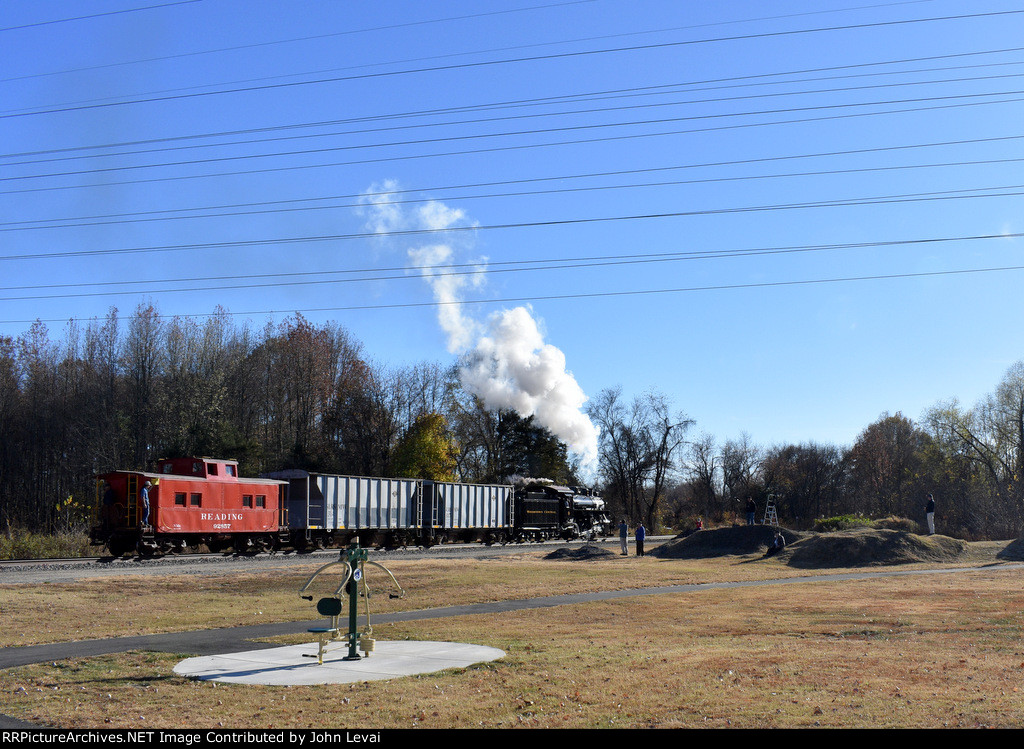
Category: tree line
[122,392]
[970,458]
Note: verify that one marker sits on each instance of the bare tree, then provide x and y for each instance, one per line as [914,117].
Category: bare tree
[740,461]
[991,437]
[702,468]
[638,448]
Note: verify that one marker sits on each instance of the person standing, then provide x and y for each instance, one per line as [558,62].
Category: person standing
[929,514]
[751,510]
[623,535]
[144,496]
[641,534]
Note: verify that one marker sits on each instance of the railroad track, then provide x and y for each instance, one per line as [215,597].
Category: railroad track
[21,571]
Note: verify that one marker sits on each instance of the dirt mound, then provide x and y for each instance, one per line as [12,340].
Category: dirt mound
[720,542]
[1013,551]
[871,547]
[862,547]
[587,551]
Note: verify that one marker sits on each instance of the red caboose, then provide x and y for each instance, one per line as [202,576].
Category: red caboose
[192,501]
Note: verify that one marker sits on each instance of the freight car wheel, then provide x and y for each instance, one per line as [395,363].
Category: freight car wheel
[147,548]
[119,546]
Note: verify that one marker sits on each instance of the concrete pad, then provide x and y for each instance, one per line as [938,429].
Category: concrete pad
[297,664]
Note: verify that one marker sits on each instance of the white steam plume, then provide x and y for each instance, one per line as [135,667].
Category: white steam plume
[512,367]
[508,364]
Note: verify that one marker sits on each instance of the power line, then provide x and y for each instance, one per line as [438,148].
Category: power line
[95,15]
[646,292]
[528,116]
[519,147]
[435,57]
[510,134]
[461,54]
[508,61]
[589,295]
[1015,190]
[466,269]
[295,39]
[690,86]
[362,202]
[389,194]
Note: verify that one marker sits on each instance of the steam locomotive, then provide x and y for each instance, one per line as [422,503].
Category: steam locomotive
[188,502]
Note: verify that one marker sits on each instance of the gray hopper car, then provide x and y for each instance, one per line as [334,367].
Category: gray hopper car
[327,510]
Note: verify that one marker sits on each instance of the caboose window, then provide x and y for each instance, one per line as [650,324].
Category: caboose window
[246,500]
[179,499]
[229,470]
[211,468]
[196,500]
[261,501]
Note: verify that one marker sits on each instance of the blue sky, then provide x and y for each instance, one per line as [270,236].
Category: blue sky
[789,218]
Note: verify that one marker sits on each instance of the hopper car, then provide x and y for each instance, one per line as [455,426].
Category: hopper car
[196,501]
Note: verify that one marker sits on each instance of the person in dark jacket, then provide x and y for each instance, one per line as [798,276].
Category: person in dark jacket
[778,544]
[641,534]
[751,510]
[929,514]
[144,495]
[623,535]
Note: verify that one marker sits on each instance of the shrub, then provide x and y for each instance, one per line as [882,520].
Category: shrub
[22,544]
[849,522]
[841,523]
[894,523]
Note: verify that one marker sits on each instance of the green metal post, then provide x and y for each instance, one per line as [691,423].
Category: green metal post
[355,557]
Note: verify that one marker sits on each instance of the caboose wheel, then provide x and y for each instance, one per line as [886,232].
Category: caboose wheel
[147,548]
[119,546]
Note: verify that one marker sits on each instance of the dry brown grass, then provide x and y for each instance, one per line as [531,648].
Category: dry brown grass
[918,651]
[129,605]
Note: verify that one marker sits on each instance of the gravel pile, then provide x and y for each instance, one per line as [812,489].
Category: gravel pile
[585,552]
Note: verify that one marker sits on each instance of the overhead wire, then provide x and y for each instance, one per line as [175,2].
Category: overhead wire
[519,147]
[364,200]
[314,37]
[583,295]
[92,16]
[519,133]
[1001,191]
[742,81]
[112,100]
[501,49]
[433,271]
[528,116]
[390,193]
[972,193]
[508,61]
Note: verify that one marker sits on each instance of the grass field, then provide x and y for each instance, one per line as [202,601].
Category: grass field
[921,651]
